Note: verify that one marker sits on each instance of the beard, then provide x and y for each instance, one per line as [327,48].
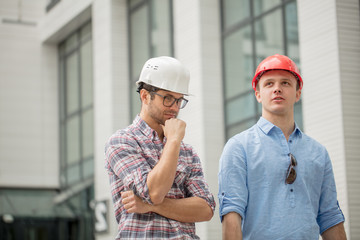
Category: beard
[158,115]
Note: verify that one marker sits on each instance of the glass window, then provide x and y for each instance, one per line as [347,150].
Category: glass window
[76,107]
[87,136]
[235,11]
[139,39]
[248,38]
[237,62]
[261,6]
[133,3]
[71,43]
[86,74]
[73,140]
[73,174]
[72,83]
[161,43]
[292,32]
[150,36]
[269,36]
[240,109]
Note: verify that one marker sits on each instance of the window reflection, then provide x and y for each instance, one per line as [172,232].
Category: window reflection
[76,107]
[261,6]
[235,11]
[269,35]
[237,62]
[253,30]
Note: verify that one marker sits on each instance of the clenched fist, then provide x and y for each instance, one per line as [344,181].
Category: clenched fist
[134,204]
[174,129]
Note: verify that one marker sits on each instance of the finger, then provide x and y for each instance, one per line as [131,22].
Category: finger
[126,194]
[127,206]
[130,208]
[125,201]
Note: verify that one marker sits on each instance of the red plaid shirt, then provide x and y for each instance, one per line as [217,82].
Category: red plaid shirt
[131,154]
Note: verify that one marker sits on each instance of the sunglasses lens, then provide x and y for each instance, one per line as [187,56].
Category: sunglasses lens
[291,173]
[291,176]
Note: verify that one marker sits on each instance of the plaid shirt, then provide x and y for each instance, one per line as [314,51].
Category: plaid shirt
[131,154]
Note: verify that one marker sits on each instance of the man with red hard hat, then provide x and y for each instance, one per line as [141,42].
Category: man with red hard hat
[157,182]
[275,182]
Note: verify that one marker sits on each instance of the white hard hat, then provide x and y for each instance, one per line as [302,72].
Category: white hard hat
[166,73]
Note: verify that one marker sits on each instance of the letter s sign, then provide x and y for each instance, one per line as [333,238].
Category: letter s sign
[101,217]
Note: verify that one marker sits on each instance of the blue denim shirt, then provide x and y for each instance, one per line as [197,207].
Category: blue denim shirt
[252,176]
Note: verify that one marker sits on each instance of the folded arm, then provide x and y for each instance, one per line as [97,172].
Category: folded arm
[192,209]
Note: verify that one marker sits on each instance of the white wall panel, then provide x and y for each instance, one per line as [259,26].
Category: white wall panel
[197,45]
[349,52]
[28,99]
[330,58]
[111,90]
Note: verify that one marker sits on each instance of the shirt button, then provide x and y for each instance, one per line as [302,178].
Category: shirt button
[290,141]
[291,190]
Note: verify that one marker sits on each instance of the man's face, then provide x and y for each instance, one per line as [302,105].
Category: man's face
[277,92]
[158,111]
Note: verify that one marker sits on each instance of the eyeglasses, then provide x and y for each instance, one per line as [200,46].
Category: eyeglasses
[168,100]
[291,173]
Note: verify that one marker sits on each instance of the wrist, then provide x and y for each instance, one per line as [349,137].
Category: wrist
[173,141]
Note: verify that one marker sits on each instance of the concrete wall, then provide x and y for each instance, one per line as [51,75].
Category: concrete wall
[111,90]
[29,154]
[198,46]
[329,49]
[348,23]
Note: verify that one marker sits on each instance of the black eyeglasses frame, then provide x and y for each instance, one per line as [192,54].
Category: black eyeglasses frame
[180,102]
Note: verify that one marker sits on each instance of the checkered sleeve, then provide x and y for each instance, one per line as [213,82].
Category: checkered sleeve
[126,161]
[196,186]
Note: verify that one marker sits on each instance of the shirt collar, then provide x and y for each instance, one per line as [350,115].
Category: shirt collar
[144,127]
[267,126]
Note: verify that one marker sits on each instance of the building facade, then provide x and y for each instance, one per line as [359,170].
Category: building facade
[67,82]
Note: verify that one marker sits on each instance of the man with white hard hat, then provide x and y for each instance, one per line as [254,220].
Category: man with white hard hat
[157,181]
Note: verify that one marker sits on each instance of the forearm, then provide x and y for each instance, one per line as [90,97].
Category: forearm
[336,232]
[161,177]
[231,227]
[193,209]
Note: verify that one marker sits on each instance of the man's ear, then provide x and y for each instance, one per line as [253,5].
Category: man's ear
[144,96]
[257,95]
[298,95]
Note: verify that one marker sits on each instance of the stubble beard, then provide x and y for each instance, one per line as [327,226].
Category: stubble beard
[158,115]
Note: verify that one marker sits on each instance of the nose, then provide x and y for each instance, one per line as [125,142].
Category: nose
[277,88]
[175,107]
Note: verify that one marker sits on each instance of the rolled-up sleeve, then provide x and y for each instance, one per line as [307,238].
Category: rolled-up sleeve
[233,192]
[195,185]
[330,213]
[128,164]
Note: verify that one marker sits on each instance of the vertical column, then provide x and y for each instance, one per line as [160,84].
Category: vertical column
[322,95]
[348,27]
[111,100]
[198,45]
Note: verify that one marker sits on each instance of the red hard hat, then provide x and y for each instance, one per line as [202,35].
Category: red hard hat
[276,62]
